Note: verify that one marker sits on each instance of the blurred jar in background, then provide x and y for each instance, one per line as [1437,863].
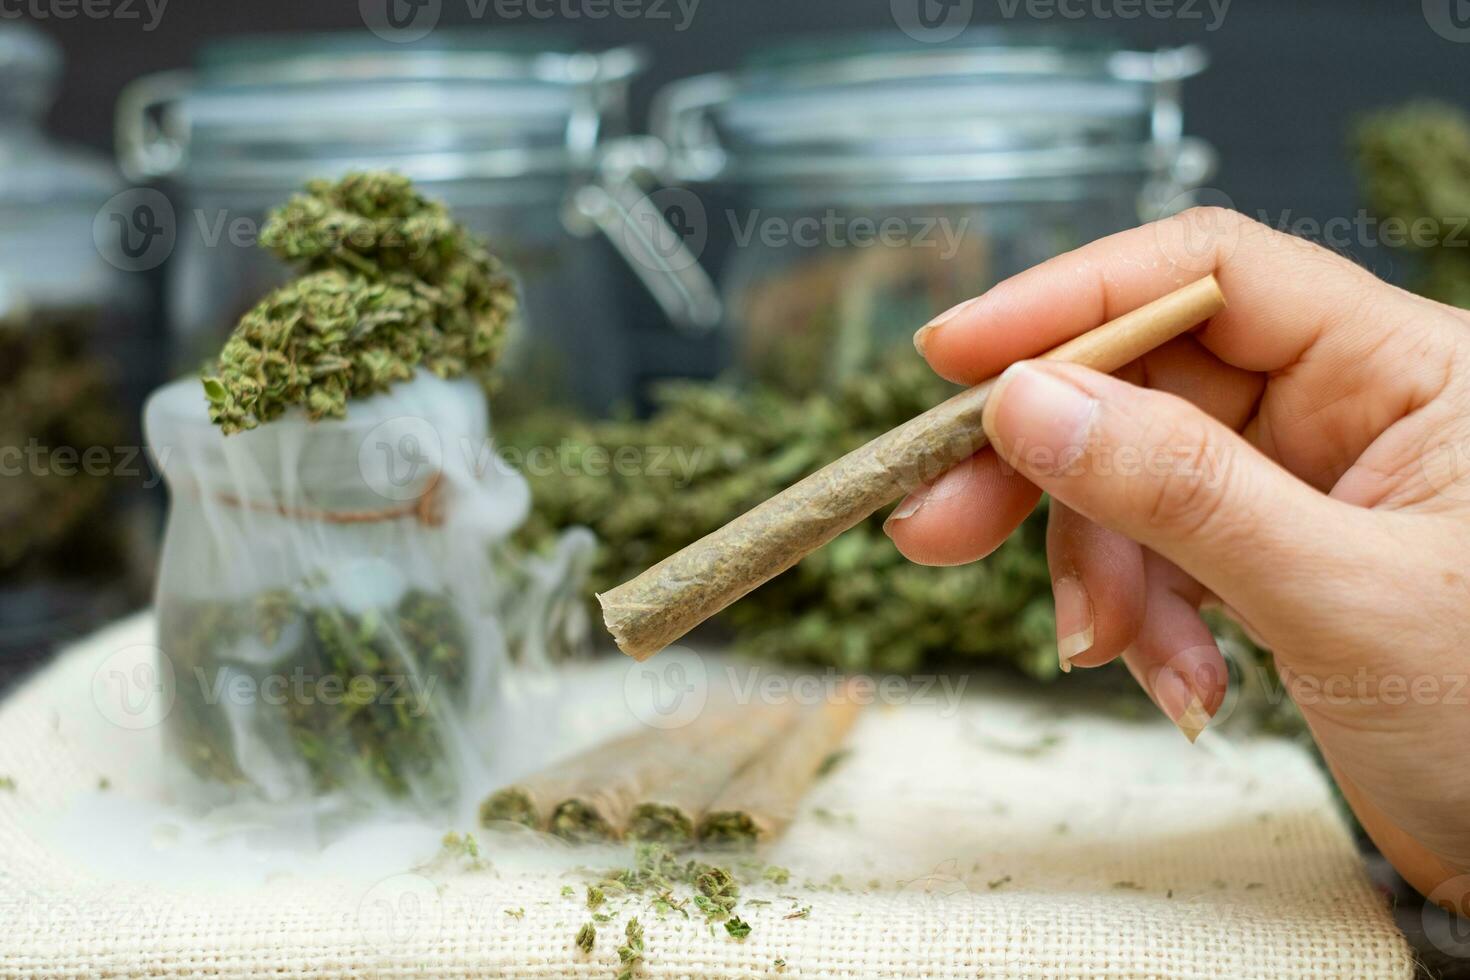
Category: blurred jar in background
[851,189]
[72,370]
[504,130]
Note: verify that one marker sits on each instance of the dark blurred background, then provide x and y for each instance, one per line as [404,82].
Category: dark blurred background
[1285,83]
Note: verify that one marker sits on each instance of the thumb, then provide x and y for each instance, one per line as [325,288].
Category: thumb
[1157,469]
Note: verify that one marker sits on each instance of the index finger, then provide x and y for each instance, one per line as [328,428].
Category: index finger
[1286,298]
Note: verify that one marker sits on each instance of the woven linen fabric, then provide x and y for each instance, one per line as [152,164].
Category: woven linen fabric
[1004,833]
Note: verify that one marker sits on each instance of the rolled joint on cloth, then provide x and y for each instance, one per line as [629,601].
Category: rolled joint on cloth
[667,601]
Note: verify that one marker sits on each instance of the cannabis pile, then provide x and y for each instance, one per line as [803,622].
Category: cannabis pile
[712,451]
[388,282]
[358,693]
[55,395]
[1415,163]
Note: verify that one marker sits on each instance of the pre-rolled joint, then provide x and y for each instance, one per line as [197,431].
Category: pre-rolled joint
[623,622]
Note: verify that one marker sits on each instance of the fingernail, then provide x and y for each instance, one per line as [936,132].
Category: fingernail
[910,506]
[1075,634]
[1180,703]
[953,483]
[921,339]
[1050,412]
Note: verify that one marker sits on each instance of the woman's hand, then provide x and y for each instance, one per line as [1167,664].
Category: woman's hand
[1303,459]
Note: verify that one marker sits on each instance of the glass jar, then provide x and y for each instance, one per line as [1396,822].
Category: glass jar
[853,190]
[328,606]
[505,133]
[71,360]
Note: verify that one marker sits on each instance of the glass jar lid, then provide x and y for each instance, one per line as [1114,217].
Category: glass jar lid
[1003,104]
[266,112]
[30,65]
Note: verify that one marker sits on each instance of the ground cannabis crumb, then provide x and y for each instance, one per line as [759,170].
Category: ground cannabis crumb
[802,913]
[719,889]
[519,913]
[1127,886]
[595,896]
[832,762]
[737,927]
[567,891]
[7,783]
[103,783]
[780,965]
[999,882]
[465,848]
[586,937]
[630,954]
[776,875]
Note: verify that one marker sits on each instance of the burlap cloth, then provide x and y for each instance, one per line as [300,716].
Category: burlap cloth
[1007,835]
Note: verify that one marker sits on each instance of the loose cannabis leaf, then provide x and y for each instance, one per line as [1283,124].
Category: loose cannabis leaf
[630,954]
[737,927]
[388,282]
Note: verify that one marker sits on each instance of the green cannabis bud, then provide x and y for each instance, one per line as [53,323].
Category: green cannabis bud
[586,937]
[1415,165]
[387,283]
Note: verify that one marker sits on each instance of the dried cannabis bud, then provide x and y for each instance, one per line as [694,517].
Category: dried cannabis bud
[1415,164]
[55,395]
[388,283]
[586,937]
